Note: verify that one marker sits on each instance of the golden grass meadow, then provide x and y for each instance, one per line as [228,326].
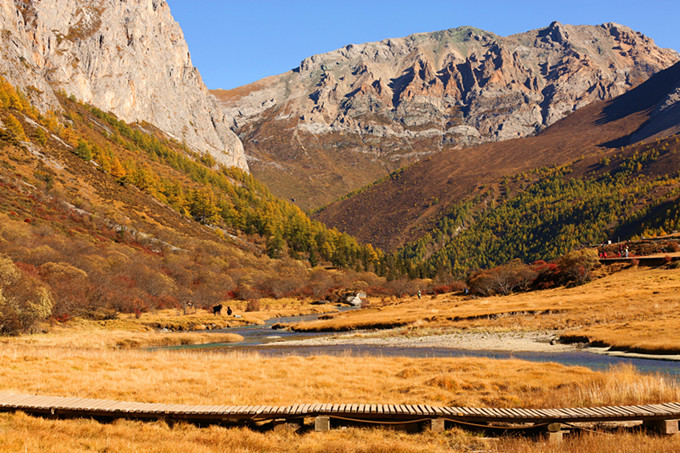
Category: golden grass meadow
[93,360]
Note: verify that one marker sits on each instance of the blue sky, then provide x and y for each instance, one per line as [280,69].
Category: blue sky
[234,43]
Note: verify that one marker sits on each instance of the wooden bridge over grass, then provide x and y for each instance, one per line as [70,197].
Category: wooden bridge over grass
[659,417]
[643,260]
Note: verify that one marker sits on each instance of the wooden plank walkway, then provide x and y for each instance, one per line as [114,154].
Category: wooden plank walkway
[642,259]
[97,408]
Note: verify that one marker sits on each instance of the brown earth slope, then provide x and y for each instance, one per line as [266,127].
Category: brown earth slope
[402,206]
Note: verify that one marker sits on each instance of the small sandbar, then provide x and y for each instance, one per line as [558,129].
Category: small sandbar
[634,355]
[463,340]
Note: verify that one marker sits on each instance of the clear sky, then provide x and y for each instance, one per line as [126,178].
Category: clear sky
[234,43]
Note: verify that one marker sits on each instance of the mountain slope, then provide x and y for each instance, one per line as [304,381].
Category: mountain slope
[665,118]
[630,192]
[129,58]
[406,205]
[111,216]
[343,119]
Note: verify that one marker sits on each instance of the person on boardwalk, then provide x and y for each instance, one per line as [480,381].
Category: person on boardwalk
[419,294]
[626,251]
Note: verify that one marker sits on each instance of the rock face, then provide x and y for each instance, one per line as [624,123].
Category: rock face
[126,57]
[345,118]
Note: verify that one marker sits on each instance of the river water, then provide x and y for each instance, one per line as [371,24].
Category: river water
[269,342]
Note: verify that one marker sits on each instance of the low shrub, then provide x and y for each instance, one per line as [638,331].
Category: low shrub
[24,302]
[513,276]
[451,288]
[576,266]
[253,305]
[572,268]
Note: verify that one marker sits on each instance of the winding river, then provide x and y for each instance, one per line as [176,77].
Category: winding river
[269,342]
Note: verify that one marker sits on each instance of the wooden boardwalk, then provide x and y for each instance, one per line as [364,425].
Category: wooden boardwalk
[642,260]
[367,413]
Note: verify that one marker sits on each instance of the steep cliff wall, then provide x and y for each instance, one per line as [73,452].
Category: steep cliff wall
[127,57]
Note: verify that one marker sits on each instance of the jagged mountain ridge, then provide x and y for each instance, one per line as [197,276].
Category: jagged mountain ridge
[129,58]
[345,118]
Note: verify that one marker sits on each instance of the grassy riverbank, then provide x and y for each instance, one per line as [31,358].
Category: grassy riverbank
[103,359]
[243,379]
[162,327]
[635,309]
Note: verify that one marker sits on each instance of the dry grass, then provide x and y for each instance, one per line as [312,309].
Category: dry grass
[635,308]
[238,379]
[118,339]
[128,436]
[620,442]
[645,336]
[245,379]
[126,333]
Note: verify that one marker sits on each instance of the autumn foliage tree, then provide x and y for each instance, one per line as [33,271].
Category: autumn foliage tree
[574,267]
[577,266]
[505,279]
[14,128]
[23,300]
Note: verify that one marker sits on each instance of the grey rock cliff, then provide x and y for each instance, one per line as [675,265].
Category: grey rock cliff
[358,112]
[126,57]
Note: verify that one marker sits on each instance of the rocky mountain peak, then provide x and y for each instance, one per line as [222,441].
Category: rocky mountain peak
[555,32]
[126,57]
[392,102]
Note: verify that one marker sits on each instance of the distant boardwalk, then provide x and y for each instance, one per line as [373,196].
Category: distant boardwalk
[648,260]
[658,415]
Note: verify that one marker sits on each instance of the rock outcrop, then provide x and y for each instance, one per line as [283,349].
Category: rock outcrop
[343,119]
[126,57]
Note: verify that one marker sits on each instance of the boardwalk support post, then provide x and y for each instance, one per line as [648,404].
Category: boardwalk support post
[322,423]
[555,432]
[437,424]
[662,426]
